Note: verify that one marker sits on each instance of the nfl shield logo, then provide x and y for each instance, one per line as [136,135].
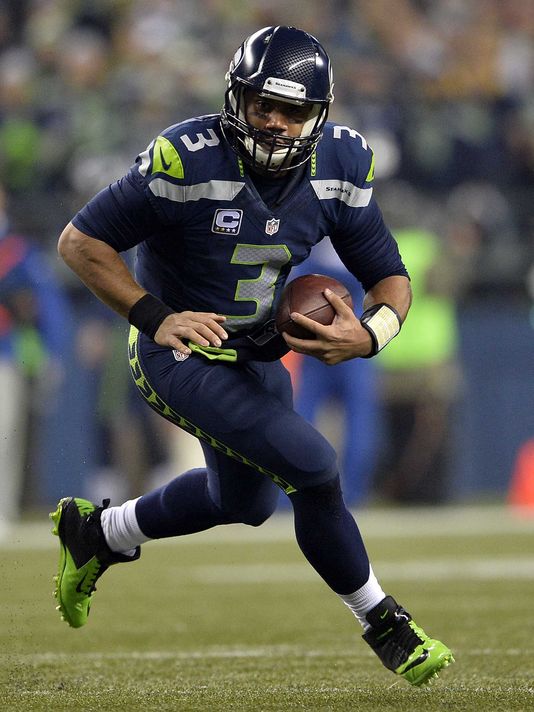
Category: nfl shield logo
[271,226]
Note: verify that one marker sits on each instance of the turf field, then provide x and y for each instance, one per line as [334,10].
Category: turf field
[233,619]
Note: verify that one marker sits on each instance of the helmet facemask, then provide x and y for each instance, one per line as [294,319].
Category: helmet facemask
[265,151]
[283,64]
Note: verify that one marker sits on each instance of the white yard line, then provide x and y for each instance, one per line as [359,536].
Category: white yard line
[468,568]
[222,652]
[374,524]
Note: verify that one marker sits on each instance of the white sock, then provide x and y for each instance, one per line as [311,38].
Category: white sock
[364,599]
[121,530]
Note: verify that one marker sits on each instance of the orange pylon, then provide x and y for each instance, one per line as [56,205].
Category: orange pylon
[521,492]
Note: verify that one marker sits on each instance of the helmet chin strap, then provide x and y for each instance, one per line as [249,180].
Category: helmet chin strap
[282,155]
[264,158]
[266,151]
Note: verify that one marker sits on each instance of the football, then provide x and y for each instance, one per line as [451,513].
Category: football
[305,296]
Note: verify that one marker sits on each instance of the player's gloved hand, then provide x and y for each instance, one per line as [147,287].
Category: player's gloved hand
[202,328]
[343,339]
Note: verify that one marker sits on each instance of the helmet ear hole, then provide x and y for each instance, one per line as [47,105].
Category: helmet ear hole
[289,65]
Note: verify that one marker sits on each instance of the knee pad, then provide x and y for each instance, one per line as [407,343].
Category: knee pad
[327,496]
[248,509]
[257,515]
[253,516]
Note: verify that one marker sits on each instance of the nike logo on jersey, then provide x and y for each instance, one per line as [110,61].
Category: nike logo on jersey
[165,159]
[164,163]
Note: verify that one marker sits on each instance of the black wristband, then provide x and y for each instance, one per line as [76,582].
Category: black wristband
[148,313]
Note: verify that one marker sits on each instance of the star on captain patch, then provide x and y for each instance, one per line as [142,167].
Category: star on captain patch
[271,226]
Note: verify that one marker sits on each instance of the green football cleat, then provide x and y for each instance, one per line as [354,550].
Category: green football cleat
[83,556]
[402,646]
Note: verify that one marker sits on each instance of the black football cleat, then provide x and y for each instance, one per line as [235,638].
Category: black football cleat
[84,556]
[402,646]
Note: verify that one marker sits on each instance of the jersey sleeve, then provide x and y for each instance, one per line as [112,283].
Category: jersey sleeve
[361,238]
[161,172]
[144,202]
[120,215]
[366,246]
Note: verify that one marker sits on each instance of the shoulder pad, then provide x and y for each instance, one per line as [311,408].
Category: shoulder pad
[345,152]
[175,149]
[166,159]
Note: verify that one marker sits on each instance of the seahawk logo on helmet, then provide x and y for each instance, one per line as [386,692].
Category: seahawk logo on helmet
[285,64]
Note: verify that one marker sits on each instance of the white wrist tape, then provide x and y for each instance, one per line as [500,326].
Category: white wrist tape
[383,323]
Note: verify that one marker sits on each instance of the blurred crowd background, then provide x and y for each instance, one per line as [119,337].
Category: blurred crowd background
[443,90]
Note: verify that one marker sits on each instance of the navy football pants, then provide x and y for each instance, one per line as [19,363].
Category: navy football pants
[242,414]
[253,442]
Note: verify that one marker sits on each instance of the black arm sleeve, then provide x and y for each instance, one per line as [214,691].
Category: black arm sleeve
[120,215]
[367,248]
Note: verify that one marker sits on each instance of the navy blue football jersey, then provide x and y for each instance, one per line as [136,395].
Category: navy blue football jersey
[208,242]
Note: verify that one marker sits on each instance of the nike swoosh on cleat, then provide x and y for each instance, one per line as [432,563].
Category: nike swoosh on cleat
[420,659]
[383,615]
[164,163]
[80,584]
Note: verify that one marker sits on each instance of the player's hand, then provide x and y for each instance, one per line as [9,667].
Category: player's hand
[344,339]
[202,328]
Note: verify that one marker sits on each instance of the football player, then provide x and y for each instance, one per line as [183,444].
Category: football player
[221,207]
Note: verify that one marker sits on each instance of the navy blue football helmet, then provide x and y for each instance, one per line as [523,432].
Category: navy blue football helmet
[285,64]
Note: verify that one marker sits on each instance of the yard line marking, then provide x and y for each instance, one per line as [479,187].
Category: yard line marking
[383,523]
[416,570]
[271,651]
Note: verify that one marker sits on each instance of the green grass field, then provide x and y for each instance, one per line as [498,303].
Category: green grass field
[234,619]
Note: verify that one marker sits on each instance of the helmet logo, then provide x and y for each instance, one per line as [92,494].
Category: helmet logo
[271,226]
[285,87]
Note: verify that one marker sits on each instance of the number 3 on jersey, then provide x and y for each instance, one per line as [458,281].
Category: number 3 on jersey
[259,290]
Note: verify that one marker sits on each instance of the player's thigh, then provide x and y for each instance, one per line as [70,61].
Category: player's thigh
[234,486]
[239,410]
[251,414]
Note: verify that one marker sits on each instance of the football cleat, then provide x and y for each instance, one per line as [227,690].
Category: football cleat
[402,646]
[83,556]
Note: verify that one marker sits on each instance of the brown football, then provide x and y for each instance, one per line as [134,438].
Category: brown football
[305,296]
